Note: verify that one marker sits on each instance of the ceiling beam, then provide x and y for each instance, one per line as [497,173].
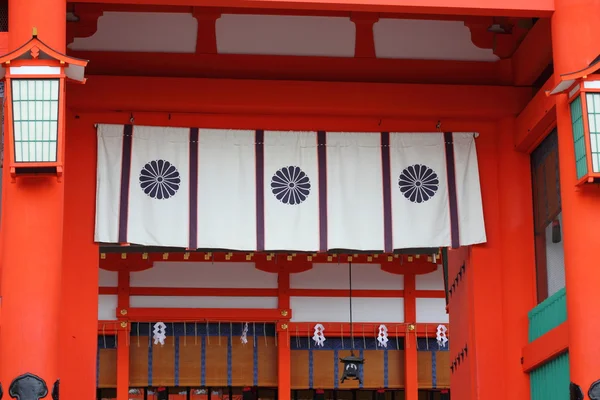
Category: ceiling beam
[339,69]
[508,8]
[285,99]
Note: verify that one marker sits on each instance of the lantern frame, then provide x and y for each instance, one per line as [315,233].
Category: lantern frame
[36,61]
[578,86]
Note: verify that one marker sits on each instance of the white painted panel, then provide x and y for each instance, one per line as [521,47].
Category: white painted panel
[203,302]
[107,307]
[142,32]
[285,35]
[108,278]
[335,276]
[431,281]
[35,70]
[431,310]
[574,90]
[427,40]
[204,275]
[336,309]
[586,84]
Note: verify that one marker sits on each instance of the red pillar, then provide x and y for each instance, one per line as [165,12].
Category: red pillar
[284,356]
[79,304]
[32,235]
[575,29]
[518,256]
[411,381]
[123,363]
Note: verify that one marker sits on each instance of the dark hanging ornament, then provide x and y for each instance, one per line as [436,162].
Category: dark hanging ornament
[352,364]
[380,394]
[575,392]
[28,387]
[556,232]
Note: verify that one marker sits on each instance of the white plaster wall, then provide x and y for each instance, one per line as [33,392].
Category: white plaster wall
[555,261]
[202,302]
[204,275]
[336,309]
[432,281]
[285,35]
[108,278]
[431,310]
[107,307]
[142,32]
[335,276]
[427,40]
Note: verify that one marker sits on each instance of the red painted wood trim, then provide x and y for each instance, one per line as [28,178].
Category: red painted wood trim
[411,380]
[283,283]
[123,294]
[206,40]
[206,314]
[281,292]
[123,364]
[340,69]
[283,100]
[108,327]
[545,348]
[536,120]
[364,46]
[509,8]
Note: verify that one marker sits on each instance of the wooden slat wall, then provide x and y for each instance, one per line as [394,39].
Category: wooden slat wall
[442,369]
[138,361]
[216,361]
[424,363]
[323,368]
[299,367]
[107,371]
[267,362]
[190,361]
[242,362]
[374,369]
[396,369]
[163,363]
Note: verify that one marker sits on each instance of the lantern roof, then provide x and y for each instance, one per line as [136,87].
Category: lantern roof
[35,49]
[567,80]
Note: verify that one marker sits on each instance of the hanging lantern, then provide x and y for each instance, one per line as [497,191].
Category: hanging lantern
[35,77]
[583,91]
[352,365]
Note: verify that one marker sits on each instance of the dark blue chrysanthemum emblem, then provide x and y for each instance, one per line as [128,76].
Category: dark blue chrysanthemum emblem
[290,185]
[418,183]
[160,179]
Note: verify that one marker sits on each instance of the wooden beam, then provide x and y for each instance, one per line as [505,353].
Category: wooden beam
[533,55]
[291,98]
[509,8]
[546,348]
[536,120]
[341,329]
[207,314]
[332,69]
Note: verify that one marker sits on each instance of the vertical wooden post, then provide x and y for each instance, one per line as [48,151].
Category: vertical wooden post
[79,305]
[284,371]
[574,29]
[123,363]
[411,382]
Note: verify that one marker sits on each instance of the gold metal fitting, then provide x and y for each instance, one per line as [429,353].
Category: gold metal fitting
[284,313]
[123,312]
[411,327]
[165,256]
[123,256]
[123,324]
[284,326]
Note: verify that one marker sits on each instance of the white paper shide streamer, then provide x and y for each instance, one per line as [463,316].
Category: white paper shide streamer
[440,335]
[319,335]
[382,336]
[160,333]
[244,337]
